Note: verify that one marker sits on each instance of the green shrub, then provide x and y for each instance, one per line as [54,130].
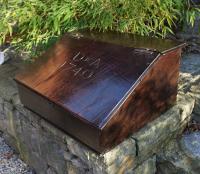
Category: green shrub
[33,24]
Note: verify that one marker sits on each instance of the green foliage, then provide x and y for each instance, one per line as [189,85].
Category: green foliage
[33,24]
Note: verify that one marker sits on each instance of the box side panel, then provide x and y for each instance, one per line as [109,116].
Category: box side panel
[59,117]
[155,93]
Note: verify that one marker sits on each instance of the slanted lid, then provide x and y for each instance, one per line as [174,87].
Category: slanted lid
[90,78]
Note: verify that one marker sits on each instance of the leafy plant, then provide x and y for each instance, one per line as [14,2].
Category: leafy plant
[32,25]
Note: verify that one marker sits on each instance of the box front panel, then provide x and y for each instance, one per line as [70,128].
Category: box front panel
[59,117]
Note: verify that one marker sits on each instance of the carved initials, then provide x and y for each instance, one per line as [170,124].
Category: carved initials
[96,63]
[78,58]
[85,73]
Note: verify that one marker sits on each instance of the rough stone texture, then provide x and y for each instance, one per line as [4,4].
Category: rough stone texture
[9,161]
[147,167]
[49,150]
[181,156]
[191,144]
[195,93]
[190,78]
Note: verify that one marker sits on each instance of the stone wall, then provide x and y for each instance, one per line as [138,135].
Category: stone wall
[50,151]
[182,155]
[189,81]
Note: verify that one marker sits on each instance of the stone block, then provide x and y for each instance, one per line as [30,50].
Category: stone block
[195,93]
[1,104]
[190,64]
[196,117]
[190,72]
[122,157]
[7,89]
[190,144]
[147,167]
[8,107]
[2,122]
[50,170]
[181,156]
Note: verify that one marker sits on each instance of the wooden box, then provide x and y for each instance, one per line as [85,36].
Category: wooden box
[102,87]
